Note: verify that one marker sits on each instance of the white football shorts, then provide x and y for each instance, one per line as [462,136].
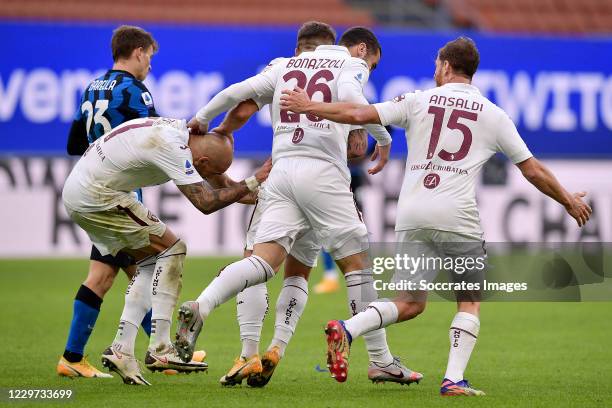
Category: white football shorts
[306,195]
[127,225]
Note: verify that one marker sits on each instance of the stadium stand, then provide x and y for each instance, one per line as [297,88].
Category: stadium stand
[528,16]
[541,16]
[274,12]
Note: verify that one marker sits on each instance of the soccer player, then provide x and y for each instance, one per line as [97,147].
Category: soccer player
[108,101]
[252,303]
[308,189]
[97,196]
[452,130]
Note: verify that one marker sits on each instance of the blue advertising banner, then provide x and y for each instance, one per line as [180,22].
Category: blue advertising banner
[557,90]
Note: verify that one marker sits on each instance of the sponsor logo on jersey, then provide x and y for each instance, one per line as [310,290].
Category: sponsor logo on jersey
[147,99]
[431,181]
[359,77]
[188,167]
[399,98]
[298,135]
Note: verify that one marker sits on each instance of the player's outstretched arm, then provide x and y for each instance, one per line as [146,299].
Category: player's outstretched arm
[297,101]
[545,181]
[221,102]
[208,200]
[237,117]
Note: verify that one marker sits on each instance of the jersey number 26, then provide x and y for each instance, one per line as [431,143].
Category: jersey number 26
[311,87]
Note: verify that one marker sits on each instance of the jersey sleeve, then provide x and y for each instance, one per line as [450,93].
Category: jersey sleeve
[509,142]
[351,82]
[264,83]
[177,162]
[396,111]
[262,101]
[77,136]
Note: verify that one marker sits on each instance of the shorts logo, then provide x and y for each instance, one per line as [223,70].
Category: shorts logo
[431,181]
[188,167]
[399,98]
[152,217]
[298,135]
[147,99]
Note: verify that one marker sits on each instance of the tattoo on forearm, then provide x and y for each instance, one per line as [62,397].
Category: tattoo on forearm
[209,200]
[357,143]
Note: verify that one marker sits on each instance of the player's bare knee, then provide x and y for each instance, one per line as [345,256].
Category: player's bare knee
[100,278]
[469,307]
[409,310]
[293,267]
[355,262]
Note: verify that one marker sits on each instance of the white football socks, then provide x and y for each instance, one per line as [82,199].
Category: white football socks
[377,315]
[136,306]
[165,289]
[125,338]
[232,280]
[251,309]
[463,335]
[289,308]
[360,290]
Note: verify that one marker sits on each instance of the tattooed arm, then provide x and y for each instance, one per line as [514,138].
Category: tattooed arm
[224,181]
[208,200]
[357,144]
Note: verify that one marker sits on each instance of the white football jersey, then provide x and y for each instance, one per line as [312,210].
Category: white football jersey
[328,74]
[267,100]
[451,132]
[139,153]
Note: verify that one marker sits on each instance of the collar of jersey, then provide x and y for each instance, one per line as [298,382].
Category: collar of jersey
[339,48]
[121,70]
[468,87]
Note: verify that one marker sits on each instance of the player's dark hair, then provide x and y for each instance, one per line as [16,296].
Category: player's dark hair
[462,55]
[357,35]
[314,33]
[128,38]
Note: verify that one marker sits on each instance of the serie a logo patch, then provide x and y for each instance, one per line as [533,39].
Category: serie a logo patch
[188,168]
[147,99]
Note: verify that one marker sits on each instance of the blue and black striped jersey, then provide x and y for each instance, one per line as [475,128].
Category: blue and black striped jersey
[112,99]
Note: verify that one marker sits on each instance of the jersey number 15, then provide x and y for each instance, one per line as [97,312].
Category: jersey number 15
[453,123]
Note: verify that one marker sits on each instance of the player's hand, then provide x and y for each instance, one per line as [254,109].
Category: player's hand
[578,209]
[196,128]
[261,174]
[382,153]
[295,100]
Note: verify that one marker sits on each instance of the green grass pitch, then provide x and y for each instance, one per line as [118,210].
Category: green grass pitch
[528,354]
